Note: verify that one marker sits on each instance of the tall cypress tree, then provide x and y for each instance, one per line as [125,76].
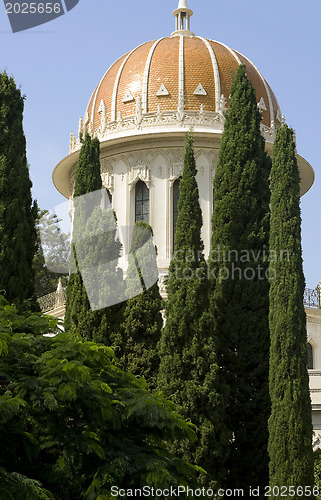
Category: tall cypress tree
[87,179]
[94,247]
[290,424]
[188,368]
[142,317]
[17,212]
[239,284]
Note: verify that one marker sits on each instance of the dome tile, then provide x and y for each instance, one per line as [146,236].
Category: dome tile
[105,91]
[131,79]
[164,69]
[198,68]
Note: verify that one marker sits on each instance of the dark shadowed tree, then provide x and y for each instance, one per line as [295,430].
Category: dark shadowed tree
[239,285]
[142,317]
[17,212]
[290,424]
[188,367]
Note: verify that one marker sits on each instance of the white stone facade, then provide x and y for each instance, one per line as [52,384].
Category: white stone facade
[314,339]
[158,167]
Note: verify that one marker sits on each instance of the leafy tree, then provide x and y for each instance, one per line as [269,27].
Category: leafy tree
[97,280]
[17,212]
[290,424]
[72,423]
[142,317]
[239,285]
[52,264]
[188,367]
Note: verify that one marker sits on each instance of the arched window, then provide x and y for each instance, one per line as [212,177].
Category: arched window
[310,356]
[175,205]
[141,202]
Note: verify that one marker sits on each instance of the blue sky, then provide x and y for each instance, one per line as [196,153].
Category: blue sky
[59,64]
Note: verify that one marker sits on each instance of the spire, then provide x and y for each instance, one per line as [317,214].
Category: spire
[183,19]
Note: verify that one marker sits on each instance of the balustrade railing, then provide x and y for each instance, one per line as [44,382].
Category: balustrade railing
[52,300]
[312,297]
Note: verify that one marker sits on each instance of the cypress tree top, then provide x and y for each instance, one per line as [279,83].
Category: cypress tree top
[240,182]
[87,176]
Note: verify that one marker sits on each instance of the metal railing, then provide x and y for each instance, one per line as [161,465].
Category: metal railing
[312,297]
[52,300]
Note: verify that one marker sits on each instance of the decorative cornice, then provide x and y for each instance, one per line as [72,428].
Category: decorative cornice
[175,171]
[140,172]
[146,121]
[106,172]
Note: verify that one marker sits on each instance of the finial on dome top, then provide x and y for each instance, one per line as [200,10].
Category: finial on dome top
[183,19]
[182,4]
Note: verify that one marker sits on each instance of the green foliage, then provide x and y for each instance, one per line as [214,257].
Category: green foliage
[87,176]
[290,426]
[87,179]
[14,486]
[73,423]
[239,285]
[317,473]
[142,316]
[188,367]
[17,213]
[96,251]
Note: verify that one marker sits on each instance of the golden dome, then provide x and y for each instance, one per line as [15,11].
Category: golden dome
[187,72]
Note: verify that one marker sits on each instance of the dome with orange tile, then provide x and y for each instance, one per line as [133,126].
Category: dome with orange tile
[182,73]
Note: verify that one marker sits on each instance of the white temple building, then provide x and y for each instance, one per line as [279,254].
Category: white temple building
[141,110]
